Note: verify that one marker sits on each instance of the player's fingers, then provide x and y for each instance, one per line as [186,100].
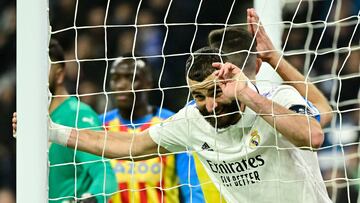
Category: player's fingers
[255,15]
[230,66]
[248,19]
[254,26]
[228,69]
[257,20]
[226,72]
[216,65]
[252,23]
[250,12]
[221,72]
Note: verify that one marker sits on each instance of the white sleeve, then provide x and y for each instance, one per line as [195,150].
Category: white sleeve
[290,98]
[170,133]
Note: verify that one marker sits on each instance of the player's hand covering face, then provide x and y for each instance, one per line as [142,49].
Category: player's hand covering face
[231,79]
[216,95]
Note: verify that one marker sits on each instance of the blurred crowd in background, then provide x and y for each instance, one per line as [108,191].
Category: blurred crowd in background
[319,50]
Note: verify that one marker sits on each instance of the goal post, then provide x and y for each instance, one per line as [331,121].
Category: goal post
[270,14]
[32,107]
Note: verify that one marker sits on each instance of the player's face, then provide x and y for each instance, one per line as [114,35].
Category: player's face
[217,109]
[121,80]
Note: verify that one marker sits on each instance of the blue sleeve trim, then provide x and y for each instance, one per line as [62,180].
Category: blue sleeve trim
[317,115]
[110,115]
[164,114]
[192,102]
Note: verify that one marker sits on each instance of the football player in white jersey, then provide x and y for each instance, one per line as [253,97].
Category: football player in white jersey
[252,145]
[256,147]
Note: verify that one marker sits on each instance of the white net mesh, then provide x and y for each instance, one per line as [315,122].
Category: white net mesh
[325,41]
[320,38]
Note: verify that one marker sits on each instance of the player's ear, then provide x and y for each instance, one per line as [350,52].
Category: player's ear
[258,64]
[60,75]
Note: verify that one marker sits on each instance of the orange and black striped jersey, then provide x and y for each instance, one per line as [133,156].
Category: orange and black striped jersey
[153,180]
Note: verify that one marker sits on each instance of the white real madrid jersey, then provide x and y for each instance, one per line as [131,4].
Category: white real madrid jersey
[249,161]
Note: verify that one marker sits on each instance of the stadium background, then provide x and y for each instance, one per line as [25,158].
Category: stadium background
[149,42]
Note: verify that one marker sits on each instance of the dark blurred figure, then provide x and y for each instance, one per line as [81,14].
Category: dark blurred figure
[7,99]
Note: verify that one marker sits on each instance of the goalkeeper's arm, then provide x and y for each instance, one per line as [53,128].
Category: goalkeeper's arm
[122,145]
[286,71]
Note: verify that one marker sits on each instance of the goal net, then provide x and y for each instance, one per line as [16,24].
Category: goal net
[320,38]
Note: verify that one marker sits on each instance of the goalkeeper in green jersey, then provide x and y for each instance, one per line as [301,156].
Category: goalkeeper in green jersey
[68,179]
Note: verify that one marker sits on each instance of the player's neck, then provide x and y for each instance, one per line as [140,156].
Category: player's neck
[139,112]
[56,101]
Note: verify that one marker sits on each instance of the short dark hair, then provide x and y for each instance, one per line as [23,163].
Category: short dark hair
[237,39]
[128,58]
[199,66]
[56,52]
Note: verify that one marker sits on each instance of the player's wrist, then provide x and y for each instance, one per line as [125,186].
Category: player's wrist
[245,93]
[59,134]
[273,58]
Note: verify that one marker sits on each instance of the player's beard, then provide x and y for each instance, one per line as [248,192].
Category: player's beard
[227,116]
